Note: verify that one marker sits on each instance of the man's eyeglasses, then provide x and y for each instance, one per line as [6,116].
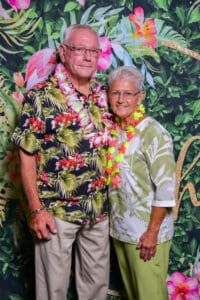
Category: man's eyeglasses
[83,50]
[125,95]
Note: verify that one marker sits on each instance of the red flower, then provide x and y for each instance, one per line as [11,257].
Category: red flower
[115,180]
[146,30]
[35,124]
[109,156]
[181,287]
[122,148]
[130,135]
[112,143]
[44,177]
[108,171]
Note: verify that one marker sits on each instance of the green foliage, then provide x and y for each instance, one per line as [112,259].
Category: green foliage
[15,32]
[15,261]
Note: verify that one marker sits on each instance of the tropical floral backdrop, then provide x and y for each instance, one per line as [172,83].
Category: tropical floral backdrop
[161,37]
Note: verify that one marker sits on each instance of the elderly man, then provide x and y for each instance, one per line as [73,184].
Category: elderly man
[62,136]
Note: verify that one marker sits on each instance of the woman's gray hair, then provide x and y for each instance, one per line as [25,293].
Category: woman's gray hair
[127,72]
[71,29]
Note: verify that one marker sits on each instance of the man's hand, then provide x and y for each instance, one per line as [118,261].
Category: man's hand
[42,225]
[147,245]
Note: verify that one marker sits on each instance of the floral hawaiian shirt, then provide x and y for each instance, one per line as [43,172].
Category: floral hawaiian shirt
[67,132]
[147,178]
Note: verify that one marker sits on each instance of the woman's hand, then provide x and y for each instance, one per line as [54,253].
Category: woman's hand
[147,245]
[148,240]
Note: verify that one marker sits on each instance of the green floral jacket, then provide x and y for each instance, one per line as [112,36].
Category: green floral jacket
[147,175]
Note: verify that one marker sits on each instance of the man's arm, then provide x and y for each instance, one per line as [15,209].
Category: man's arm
[42,223]
[148,240]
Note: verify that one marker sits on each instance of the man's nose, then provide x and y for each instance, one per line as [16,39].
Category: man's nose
[87,54]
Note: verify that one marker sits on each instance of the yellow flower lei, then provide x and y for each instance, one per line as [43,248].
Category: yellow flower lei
[113,161]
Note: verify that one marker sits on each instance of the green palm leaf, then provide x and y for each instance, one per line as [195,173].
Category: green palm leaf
[56,98]
[66,184]
[11,108]
[100,159]
[69,138]
[141,51]
[58,212]
[168,34]
[85,177]
[95,114]
[194,12]
[98,201]
[16,31]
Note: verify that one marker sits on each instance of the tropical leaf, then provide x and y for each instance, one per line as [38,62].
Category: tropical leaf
[16,31]
[168,34]
[56,98]
[72,17]
[95,114]
[142,51]
[30,141]
[69,138]
[58,212]
[86,14]
[98,201]
[85,177]
[194,13]
[11,108]
[70,6]
[87,205]
[101,159]
[115,12]
[163,4]
[97,14]
[66,184]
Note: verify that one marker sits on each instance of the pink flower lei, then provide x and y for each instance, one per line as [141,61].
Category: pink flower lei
[77,105]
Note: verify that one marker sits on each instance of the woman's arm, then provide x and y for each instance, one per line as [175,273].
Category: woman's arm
[148,240]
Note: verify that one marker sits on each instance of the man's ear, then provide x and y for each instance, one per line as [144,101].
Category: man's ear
[62,53]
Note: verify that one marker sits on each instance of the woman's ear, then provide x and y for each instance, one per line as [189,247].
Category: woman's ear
[141,97]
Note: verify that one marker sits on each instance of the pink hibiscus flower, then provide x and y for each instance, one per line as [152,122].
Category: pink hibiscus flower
[19,4]
[18,96]
[40,66]
[146,30]
[181,287]
[82,2]
[104,61]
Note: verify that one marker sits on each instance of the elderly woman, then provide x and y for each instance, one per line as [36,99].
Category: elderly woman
[141,174]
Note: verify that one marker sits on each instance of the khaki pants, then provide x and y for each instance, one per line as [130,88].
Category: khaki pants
[143,280]
[53,262]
